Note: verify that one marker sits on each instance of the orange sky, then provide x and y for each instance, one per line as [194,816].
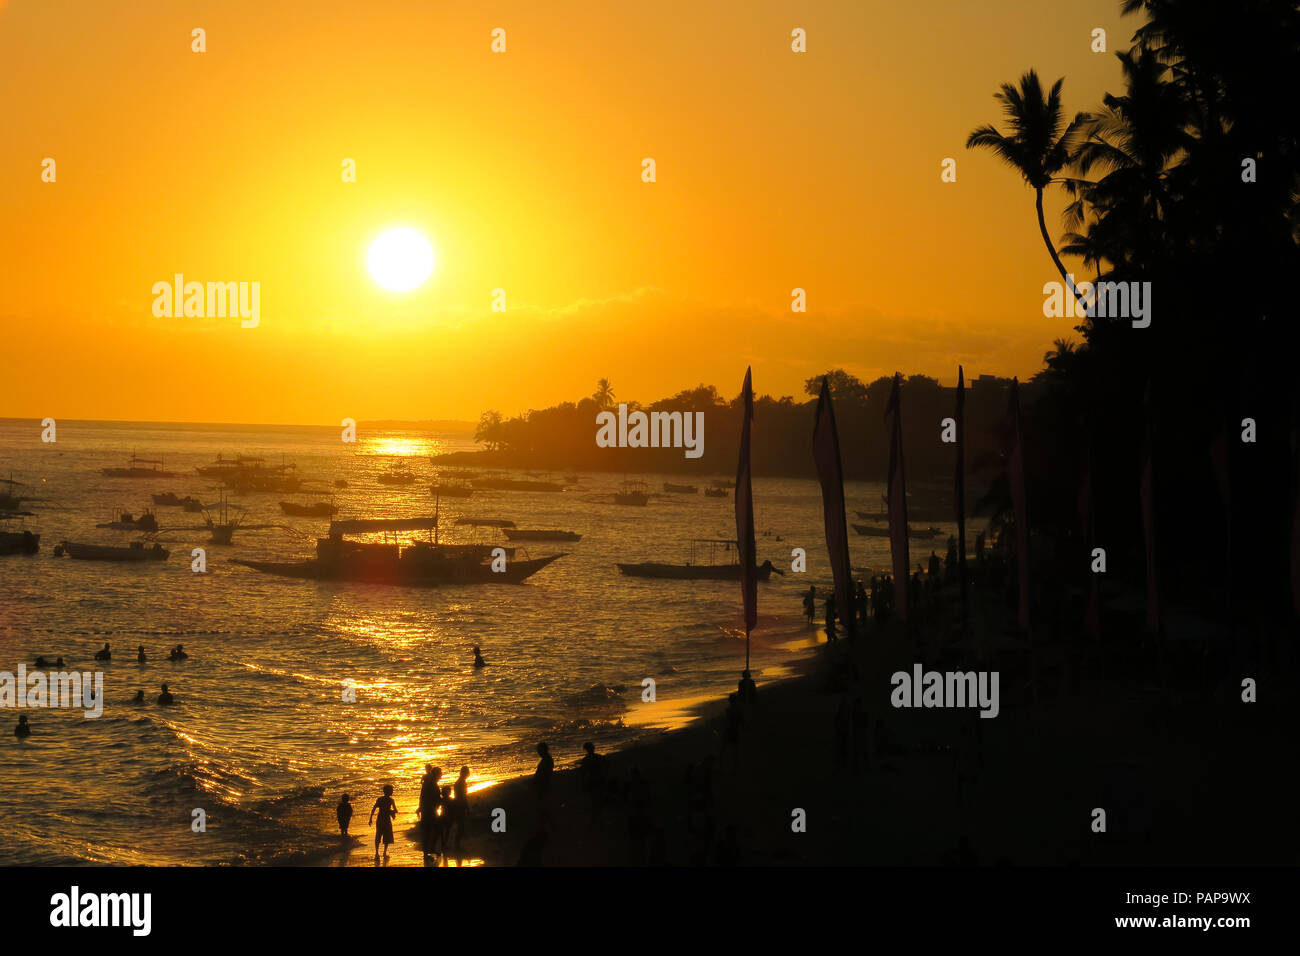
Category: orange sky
[775,170]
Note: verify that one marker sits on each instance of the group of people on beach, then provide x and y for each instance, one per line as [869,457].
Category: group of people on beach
[876,603]
[442,810]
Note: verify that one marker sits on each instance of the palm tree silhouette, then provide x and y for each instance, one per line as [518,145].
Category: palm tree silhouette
[1038,147]
[604,394]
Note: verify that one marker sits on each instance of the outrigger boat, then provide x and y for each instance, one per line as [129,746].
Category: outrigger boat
[15,539]
[8,500]
[133,469]
[680,489]
[514,484]
[632,493]
[516,534]
[219,522]
[125,521]
[700,572]
[451,491]
[920,533]
[486,522]
[397,475]
[414,564]
[135,551]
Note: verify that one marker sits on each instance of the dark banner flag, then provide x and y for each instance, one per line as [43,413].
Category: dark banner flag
[745,519]
[1147,489]
[1295,525]
[1088,521]
[1019,500]
[897,498]
[959,482]
[826,453]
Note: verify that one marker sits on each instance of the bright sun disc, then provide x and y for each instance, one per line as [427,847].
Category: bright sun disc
[400,259]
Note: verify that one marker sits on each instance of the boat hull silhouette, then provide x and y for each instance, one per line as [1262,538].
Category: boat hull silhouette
[692,572]
[100,552]
[404,570]
[516,534]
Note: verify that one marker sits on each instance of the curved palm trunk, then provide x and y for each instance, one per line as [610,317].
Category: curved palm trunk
[1051,250]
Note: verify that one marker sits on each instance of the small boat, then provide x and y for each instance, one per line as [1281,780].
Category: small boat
[134,469]
[191,505]
[14,538]
[680,489]
[691,571]
[8,500]
[168,498]
[220,524]
[514,484]
[632,493]
[716,490]
[920,533]
[135,551]
[418,564]
[125,521]
[451,491]
[534,535]
[486,522]
[397,475]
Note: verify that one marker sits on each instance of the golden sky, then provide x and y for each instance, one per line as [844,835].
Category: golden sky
[775,170]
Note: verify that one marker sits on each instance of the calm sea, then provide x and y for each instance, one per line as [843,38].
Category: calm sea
[261,739]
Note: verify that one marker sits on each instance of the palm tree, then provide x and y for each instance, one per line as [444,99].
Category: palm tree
[604,394]
[1038,147]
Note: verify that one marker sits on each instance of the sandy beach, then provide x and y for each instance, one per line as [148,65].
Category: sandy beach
[922,786]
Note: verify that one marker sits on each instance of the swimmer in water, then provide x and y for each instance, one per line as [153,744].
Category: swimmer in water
[478,658]
[42,662]
[138,698]
[105,654]
[165,697]
[22,730]
[180,654]
[59,663]
[139,654]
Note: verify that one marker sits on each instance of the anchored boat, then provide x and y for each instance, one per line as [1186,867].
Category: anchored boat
[135,551]
[691,571]
[414,564]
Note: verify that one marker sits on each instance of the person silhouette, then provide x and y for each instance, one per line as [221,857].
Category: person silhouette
[343,812]
[138,698]
[542,775]
[22,730]
[105,654]
[747,690]
[165,697]
[810,603]
[478,658]
[386,807]
[42,662]
[460,805]
[427,811]
[139,654]
[59,663]
[443,819]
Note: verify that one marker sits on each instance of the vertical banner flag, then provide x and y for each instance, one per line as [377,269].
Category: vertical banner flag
[826,453]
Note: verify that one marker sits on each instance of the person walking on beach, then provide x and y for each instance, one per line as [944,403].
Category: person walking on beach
[343,812]
[592,769]
[830,617]
[747,690]
[386,807]
[427,811]
[542,775]
[810,603]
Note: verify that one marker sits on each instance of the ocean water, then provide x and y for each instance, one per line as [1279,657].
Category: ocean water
[261,739]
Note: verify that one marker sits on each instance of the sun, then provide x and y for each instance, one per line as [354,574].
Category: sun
[400,259]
